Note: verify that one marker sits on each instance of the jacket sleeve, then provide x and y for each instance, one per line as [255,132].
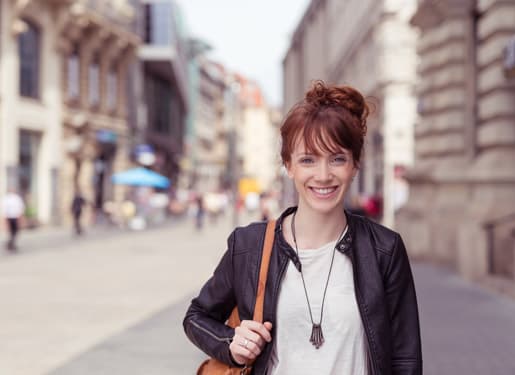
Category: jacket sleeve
[403,311]
[205,319]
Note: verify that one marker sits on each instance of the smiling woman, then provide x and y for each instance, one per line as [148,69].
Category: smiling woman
[322,144]
[340,297]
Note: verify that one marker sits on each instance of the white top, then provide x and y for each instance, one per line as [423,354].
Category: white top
[12,206]
[344,349]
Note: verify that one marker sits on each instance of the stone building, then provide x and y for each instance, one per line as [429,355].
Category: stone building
[462,208]
[232,138]
[162,91]
[259,137]
[63,101]
[368,44]
[97,46]
[209,145]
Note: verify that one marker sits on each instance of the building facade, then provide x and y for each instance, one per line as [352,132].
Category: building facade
[370,45]
[462,210]
[63,111]
[210,128]
[259,138]
[97,46]
[164,96]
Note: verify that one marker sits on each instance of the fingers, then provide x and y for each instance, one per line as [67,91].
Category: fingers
[257,328]
[243,350]
[249,339]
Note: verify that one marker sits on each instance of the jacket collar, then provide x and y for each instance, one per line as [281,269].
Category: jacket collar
[342,246]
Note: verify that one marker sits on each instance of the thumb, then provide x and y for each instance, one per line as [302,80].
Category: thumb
[268,325]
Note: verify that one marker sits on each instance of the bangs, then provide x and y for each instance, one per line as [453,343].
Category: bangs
[325,133]
[328,120]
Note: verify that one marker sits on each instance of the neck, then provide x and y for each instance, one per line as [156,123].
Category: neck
[314,229]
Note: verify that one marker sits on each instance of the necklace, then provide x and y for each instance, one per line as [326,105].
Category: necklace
[317,336]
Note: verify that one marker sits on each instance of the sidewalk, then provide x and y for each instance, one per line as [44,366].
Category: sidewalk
[61,298]
[61,237]
[113,303]
[465,330]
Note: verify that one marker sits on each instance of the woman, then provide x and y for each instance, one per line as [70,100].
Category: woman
[340,297]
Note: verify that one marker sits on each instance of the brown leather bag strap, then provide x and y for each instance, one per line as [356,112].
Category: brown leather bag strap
[234,319]
[263,272]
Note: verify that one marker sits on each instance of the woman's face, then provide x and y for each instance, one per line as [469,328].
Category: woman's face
[321,180]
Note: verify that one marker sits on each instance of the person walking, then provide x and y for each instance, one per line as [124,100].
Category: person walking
[340,296]
[199,212]
[13,209]
[78,202]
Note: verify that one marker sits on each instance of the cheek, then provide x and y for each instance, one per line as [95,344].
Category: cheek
[289,171]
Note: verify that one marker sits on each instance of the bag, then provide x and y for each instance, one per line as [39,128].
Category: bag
[213,366]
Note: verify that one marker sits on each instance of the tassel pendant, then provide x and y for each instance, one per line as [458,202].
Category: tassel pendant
[317,337]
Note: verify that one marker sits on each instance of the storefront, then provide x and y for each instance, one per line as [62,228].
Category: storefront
[29,146]
[106,145]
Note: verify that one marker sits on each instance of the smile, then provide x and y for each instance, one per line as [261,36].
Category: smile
[324,191]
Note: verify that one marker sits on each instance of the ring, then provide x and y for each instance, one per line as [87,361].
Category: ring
[245,343]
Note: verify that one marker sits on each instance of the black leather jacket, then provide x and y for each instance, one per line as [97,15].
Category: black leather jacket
[385,294]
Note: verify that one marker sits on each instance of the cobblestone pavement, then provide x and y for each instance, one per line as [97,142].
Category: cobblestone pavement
[114,305]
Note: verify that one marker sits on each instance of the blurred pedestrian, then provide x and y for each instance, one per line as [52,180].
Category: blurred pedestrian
[128,212]
[13,209]
[339,297]
[78,203]
[265,206]
[200,212]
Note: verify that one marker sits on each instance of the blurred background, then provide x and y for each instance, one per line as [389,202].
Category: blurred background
[134,135]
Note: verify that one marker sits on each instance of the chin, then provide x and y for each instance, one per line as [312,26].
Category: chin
[325,207]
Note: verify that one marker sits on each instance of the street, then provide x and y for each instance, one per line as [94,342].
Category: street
[113,303]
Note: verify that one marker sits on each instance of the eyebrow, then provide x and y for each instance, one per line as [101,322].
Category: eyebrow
[343,152]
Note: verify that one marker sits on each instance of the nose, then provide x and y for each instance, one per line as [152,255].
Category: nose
[323,172]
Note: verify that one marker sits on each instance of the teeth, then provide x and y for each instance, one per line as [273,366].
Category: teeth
[324,191]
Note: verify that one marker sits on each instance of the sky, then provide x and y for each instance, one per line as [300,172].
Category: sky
[249,37]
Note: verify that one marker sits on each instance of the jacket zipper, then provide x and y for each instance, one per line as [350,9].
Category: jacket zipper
[218,338]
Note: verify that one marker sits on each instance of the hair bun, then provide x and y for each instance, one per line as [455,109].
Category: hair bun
[322,95]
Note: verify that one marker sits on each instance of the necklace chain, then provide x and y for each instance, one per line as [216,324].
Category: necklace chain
[317,338]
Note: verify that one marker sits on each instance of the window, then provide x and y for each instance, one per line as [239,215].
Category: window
[28,49]
[73,84]
[158,23]
[112,88]
[94,82]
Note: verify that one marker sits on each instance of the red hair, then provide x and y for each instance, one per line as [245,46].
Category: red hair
[329,118]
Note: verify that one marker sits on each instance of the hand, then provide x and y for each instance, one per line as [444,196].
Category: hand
[249,339]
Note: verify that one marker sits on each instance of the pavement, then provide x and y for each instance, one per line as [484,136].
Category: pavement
[113,302]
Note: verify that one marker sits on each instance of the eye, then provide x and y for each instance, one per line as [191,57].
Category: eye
[340,159]
[306,160]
